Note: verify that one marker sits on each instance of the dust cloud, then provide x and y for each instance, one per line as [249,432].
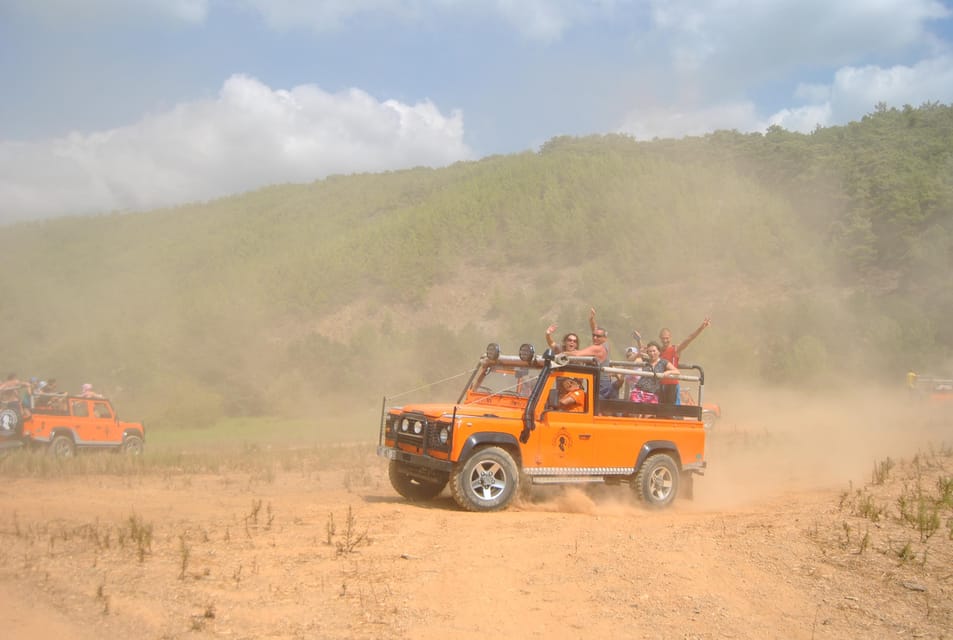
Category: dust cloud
[770,442]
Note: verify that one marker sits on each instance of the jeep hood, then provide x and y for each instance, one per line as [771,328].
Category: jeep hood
[463,410]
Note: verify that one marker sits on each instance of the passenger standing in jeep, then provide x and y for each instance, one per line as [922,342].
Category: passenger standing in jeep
[88,392]
[10,389]
[648,388]
[570,340]
[669,392]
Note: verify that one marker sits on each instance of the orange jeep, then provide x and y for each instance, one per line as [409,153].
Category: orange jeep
[509,429]
[63,423]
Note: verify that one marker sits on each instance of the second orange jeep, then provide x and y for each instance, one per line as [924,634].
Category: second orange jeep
[64,423]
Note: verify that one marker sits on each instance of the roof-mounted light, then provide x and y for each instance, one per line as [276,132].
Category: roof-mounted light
[493,352]
[527,352]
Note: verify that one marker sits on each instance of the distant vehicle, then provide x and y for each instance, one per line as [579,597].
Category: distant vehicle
[937,391]
[62,424]
[509,429]
[711,412]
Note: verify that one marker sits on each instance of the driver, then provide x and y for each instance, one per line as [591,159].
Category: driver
[571,395]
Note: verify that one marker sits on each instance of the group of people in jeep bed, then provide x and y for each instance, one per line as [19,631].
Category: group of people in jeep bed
[41,396]
[661,357]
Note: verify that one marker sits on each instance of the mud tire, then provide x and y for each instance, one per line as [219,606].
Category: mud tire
[657,481]
[132,445]
[487,481]
[413,489]
[62,447]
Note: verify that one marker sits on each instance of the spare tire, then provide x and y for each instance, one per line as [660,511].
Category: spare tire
[11,422]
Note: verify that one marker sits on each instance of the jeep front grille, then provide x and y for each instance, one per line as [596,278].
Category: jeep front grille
[418,431]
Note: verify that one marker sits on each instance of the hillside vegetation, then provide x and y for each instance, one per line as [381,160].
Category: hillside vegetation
[822,258]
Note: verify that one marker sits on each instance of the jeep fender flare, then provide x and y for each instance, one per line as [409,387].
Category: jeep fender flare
[657,446]
[61,431]
[481,438]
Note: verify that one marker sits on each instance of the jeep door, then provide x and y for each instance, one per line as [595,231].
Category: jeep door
[585,443]
[562,435]
[93,422]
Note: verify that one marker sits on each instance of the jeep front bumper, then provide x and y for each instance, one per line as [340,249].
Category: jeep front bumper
[414,459]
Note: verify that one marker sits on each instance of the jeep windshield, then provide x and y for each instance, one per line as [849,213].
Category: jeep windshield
[501,384]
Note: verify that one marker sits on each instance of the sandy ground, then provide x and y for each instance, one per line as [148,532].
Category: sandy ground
[774,545]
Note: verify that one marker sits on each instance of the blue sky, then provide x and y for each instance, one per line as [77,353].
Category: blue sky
[124,105]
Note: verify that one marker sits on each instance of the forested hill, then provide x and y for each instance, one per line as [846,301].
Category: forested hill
[819,257]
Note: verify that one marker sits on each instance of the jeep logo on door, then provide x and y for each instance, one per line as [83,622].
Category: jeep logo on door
[563,442]
[9,419]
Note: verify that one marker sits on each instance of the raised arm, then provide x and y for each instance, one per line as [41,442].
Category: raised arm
[550,330]
[687,341]
[592,319]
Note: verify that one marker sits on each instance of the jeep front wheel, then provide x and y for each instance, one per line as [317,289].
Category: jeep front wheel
[657,481]
[132,445]
[487,481]
[412,488]
[62,447]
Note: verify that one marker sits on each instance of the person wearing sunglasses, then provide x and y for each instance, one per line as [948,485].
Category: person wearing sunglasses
[599,349]
[570,340]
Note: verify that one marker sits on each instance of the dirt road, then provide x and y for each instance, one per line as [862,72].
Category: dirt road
[775,545]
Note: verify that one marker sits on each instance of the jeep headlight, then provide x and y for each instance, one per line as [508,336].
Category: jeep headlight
[444,435]
[418,427]
[405,425]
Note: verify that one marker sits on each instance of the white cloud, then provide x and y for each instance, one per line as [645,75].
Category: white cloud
[542,20]
[190,11]
[548,20]
[803,119]
[325,15]
[753,36]
[645,124]
[852,93]
[249,136]
[855,91]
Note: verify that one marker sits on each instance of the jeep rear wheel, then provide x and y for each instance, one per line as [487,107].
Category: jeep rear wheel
[487,481]
[62,447]
[657,481]
[132,445]
[414,489]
